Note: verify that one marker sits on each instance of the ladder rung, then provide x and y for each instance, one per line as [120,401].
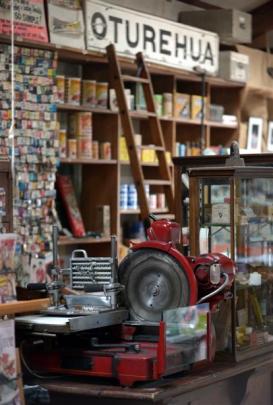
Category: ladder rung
[127,78]
[153,147]
[142,114]
[153,182]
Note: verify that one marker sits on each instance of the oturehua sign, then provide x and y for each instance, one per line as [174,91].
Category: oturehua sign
[160,40]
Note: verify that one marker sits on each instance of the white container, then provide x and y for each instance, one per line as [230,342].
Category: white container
[234,66]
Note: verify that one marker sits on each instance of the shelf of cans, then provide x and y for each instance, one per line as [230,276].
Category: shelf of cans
[36,143]
[129,199]
[76,128]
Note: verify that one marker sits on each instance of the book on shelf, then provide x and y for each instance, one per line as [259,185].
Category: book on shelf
[68,197]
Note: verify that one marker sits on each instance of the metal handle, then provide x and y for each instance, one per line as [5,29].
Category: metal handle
[79,253]
[93,288]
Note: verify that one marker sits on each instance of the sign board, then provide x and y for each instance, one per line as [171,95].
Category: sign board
[161,41]
[29,19]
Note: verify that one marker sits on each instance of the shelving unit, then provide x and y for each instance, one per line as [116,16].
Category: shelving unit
[100,179]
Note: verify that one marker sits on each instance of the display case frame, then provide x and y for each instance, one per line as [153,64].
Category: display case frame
[252,336]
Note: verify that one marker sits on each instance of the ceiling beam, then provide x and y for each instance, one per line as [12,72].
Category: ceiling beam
[262,19]
[201,4]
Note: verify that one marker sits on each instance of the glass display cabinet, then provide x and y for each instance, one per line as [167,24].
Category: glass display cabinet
[231,212]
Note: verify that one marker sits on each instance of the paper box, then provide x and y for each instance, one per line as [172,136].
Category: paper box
[233,66]
[66,25]
[232,26]
[103,223]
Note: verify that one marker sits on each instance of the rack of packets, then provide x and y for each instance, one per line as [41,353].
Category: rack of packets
[35,140]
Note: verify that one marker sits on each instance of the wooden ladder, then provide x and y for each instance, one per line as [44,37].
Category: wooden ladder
[143,77]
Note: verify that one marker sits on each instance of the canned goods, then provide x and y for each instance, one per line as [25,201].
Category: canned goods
[73,90]
[95,150]
[72,148]
[84,148]
[167,104]
[123,196]
[60,83]
[153,201]
[102,94]
[62,143]
[161,200]
[158,100]
[132,197]
[89,92]
[105,150]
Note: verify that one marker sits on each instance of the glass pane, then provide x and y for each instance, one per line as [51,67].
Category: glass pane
[214,224]
[253,254]
[186,332]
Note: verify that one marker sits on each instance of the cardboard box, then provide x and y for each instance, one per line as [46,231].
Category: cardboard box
[182,105]
[196,107]
[234,66]
[66,26]
[232,26]
[103,223]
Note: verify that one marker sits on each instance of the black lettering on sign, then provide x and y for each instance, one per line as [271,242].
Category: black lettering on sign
[116,21]
[164,40]
[148,36]
[98,25]
[208,55]
[195,54]
[180,45]
[132,43]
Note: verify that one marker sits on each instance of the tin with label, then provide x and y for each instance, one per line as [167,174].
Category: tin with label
[73,90]
[72,148]
[105,150]
[84,148]
[132,197]
[102,94]
[95,150]
[123,196]
[167,104]
[89,93]
[62,143]
[60,84]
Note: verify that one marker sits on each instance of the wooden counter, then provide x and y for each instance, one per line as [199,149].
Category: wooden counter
[245,383]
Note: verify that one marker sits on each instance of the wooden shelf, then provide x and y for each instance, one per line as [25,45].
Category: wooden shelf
[85,56]
[71,107]
[149,164]
[142,115]
[212,124]
[66,241]
[17,307]
[88,161]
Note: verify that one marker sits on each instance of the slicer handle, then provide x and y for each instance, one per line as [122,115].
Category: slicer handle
[79,253]
[93,288]
[37,286]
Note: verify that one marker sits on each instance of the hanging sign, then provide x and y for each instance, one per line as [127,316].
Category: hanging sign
[29,19]
[161,41]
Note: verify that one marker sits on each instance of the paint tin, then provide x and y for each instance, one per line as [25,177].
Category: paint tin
[132,197]
[105,150]
[95,150]
[73,90]
[84,148]
[123,200]
[72,148]
[89,93]
[102,94]
[153,201]
[158,100]
[60,84]
[62,143]
[167,104]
